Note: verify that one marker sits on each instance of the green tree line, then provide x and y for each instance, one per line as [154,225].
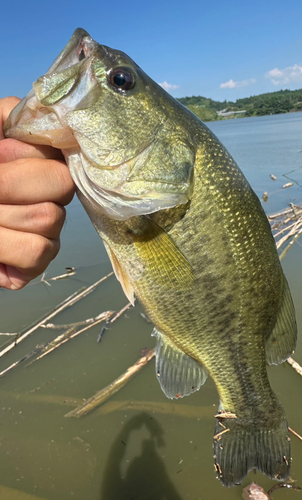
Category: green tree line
[282,101]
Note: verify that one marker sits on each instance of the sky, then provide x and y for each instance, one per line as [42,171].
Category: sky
[222,50]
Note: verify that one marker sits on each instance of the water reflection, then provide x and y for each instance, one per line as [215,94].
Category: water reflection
[145,477]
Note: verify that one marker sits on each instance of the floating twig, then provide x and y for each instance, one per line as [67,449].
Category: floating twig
[295,433]
[226,414]
[254,492]
[70,328]
[218,436]
[111,320]
[283,485]
[290,244]
[295,365]
[72,299]
[286,225]
[101,396]
[67,336]
[17,363]
[70,272]
[52,326]
[280,214]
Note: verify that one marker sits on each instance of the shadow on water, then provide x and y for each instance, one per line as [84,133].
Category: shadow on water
[145,477]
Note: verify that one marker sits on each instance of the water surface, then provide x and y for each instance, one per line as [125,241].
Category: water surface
[150,452]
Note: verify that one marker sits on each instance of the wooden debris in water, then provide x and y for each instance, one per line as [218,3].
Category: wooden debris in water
[283,485]
[71,300]
[295,433]
[34,397]
[70,271]
[52,326]
[217,437]
[286,227]
[111,320]
[226,414]
[103,395]
[254,492]
[295,365]
[54,343]
[169,408]
[70,334]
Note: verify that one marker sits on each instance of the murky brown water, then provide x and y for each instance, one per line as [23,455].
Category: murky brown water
[148,447]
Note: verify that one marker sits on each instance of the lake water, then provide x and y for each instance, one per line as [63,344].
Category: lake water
[146,447]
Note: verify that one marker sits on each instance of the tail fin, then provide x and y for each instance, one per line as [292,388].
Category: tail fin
[240,447]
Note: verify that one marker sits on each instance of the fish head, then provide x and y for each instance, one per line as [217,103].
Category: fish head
[120,132]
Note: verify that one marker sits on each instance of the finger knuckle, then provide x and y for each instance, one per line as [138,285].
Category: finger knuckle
[43,251]
[65,182]
[51,217]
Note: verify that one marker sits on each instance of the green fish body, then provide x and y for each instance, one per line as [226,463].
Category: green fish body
[185,234]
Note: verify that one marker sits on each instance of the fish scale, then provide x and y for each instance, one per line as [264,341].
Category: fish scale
[185,234]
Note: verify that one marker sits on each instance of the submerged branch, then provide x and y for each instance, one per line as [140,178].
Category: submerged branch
[72,299]
[103,395]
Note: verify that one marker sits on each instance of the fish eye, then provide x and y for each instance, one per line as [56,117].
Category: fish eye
[122,78]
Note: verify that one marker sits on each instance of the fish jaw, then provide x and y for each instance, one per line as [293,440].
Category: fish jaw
[34,119]
[74,107]
[31,123]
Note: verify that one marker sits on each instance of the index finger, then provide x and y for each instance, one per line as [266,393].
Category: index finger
[11,149]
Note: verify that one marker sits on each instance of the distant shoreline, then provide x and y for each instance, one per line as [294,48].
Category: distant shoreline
[272,103]
[236,116]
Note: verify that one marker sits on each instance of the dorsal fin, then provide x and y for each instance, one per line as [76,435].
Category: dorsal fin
[282,341]
[178,374]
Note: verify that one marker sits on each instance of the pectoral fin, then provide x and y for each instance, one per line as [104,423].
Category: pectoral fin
[282,341]
[178,374]
[120,274]
[165,262]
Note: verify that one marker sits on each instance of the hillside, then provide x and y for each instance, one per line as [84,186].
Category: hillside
[272,103]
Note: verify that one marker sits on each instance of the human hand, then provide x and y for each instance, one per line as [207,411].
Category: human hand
[35,184]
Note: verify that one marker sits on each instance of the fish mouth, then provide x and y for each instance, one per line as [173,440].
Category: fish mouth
[33,120]
[79,46]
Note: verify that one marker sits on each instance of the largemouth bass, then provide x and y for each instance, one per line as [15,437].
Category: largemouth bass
[185,234]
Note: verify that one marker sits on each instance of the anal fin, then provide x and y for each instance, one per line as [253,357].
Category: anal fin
[178,374]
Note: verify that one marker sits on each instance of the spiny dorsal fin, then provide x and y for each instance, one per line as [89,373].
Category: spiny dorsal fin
[282,341]
[166,264]
[178,374]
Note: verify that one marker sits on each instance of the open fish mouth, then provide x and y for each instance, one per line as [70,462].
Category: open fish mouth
[36,119]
